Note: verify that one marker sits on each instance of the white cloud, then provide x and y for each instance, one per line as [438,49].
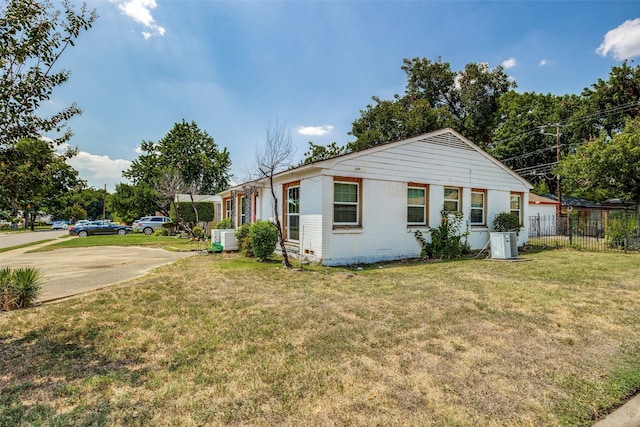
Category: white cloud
[314,130]
[622,42]
[140,11]
[509,63]
[99,171]
[544,62]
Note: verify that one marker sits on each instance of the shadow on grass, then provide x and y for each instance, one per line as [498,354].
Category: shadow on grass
[58,377]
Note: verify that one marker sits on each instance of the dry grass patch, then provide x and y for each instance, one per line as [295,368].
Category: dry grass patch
[222,340]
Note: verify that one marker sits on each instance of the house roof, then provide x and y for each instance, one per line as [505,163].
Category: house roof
[445,137]
[197,198]
[577,202]
[535,199]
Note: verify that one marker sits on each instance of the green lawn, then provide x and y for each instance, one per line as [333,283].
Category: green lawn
[134,239]
[225,340]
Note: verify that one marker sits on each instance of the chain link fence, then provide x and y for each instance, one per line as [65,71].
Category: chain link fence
[618,231]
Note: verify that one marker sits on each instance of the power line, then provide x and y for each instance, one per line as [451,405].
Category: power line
[607,112]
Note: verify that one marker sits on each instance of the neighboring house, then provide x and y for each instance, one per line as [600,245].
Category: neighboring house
[588,210]
[540,206]
[587,218]
[365,206]
[542,214]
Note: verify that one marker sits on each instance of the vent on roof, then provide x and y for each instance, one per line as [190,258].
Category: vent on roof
[448,140]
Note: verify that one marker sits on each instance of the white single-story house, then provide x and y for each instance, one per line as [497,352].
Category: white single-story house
[365,206]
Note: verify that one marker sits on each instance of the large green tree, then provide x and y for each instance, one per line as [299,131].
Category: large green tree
[33,37]
[33,176]
[435,97]
[81,203]
[391,120]
[130,202]
[611,102]
[188,150]
[322,152]
[525,135]
[469,96]
[605,168]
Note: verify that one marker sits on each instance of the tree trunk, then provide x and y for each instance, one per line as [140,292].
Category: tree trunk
[283,248]
[181,221]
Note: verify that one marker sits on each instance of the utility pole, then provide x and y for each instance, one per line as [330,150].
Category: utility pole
[558,187]
[104,203]
[558,190]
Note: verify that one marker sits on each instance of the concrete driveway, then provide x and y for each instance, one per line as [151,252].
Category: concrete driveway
[72,271]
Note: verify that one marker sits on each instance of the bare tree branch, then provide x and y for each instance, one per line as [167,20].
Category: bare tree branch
[276,157]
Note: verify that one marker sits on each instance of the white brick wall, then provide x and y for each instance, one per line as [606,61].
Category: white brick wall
[385,173]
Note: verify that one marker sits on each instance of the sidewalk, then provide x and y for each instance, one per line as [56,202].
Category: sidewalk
[628,415]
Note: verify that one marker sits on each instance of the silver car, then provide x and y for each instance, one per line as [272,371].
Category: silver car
[59,225]
[149,224]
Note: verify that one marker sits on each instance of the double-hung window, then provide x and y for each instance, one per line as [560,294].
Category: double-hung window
[242,209]
[292,211]
[452,199]
[227,208]
[516,205]
[416,204]
[478,207]
[347,202]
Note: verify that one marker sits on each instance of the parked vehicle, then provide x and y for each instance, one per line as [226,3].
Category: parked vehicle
[59,225]
[99,227]
[148,224]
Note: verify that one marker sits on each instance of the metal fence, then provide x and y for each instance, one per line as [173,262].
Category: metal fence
[618,231]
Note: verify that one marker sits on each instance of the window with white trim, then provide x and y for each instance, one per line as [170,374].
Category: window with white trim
[227,208]
[478,207]
[346,203]
[242,210]
[516,205]
[292,216]
[416,205]
[452,199]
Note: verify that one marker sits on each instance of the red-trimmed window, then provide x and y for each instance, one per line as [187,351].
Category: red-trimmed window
[347,202]
[478,207]
[417,205]
[291,215]
[452,199]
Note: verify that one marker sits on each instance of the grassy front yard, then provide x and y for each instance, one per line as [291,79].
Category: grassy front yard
[133,239]
[221,339]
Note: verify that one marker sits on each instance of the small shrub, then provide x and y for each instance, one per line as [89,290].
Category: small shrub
[263,236]
[169,226]
[161,232]
[19,287]
[26,286]
[7,298]
[621,233]
[506,221]
[244,243]
[447,241]
[198,232]
[224,224]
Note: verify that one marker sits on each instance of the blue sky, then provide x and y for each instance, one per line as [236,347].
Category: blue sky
[234,67]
